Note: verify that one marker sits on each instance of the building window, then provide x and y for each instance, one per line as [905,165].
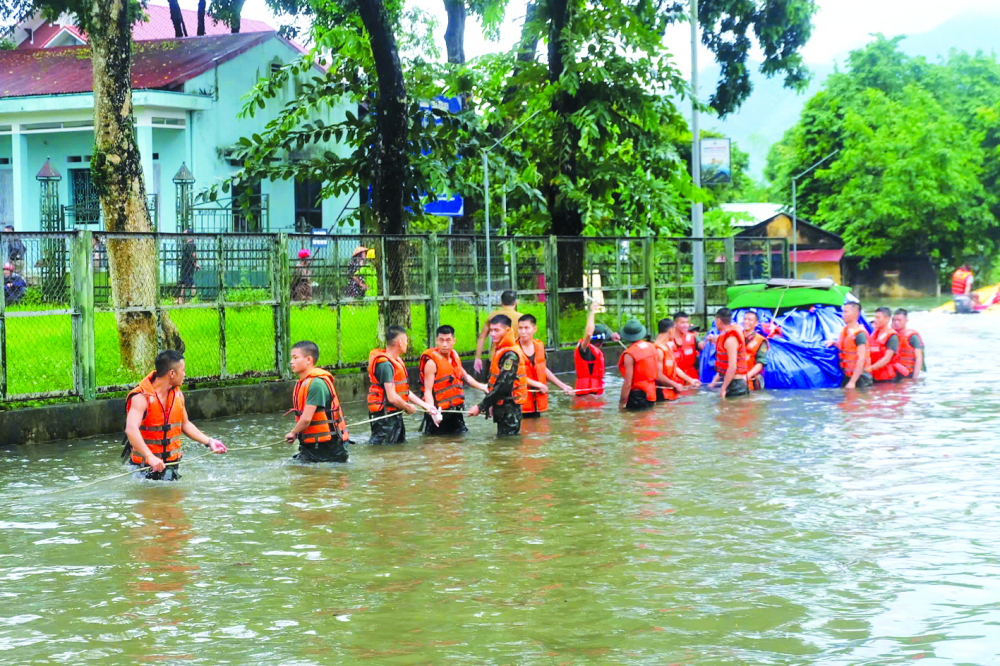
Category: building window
[308,207]
[83,195]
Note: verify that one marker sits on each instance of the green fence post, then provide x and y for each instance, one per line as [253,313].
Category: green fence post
[512,266]
[3,345]
[84,358]
[730,250]
[649,277]
[157,306]
[280,286]
[476,294]
[552,287]
[220,300]
[433,291]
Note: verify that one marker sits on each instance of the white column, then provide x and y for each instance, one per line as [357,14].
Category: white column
[144,136]
[22,175]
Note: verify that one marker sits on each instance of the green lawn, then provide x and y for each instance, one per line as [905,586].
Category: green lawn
[40,349]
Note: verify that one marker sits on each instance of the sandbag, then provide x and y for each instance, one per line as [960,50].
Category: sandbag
[798,358]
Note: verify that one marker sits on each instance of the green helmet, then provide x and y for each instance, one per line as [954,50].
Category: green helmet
[601,333]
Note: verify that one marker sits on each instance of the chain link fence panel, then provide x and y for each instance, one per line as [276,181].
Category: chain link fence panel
[226,298]
[37,316]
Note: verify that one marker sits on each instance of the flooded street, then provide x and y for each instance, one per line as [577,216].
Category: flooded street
[792,527]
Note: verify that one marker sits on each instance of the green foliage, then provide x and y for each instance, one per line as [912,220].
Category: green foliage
[917,169]
[907,181]
[729,29]
[436,136]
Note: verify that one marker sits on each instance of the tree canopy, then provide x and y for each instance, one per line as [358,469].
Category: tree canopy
[917,169]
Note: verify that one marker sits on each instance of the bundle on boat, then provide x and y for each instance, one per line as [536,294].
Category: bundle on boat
[807,314]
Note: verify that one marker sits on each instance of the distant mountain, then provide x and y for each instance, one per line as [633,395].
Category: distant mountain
[772,109]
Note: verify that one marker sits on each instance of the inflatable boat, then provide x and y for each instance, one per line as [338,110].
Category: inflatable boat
[808,313]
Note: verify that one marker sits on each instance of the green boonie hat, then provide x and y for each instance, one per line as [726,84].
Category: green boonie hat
[633,331]
[601,333]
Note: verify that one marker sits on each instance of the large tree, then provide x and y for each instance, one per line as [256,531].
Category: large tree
[604,141]
[916,171]
[177,19]
[117,170]
[401,151]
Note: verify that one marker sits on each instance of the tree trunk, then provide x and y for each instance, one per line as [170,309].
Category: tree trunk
[177,18]
[117,174]
[237,10]
[527,47]
[201,16]
[391,154]
[567,220]
[454,33]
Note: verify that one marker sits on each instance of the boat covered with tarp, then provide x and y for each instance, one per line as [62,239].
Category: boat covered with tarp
[806,314]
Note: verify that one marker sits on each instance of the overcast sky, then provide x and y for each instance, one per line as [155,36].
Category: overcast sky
[839,25]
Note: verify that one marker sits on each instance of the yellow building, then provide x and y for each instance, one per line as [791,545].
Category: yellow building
[820,253]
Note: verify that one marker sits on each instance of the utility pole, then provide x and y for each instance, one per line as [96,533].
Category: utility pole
[697,220]
[795,213]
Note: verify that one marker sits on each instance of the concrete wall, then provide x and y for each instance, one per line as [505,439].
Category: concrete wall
[817,270]
[71,421]
[893,277]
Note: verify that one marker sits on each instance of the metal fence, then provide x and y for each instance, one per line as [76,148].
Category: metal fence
[238,301]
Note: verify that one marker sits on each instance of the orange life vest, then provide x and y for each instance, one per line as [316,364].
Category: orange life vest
[876,350]
[959,281]
[686,354]
[722,356]
[669,371]
[753,346]
[644,369]
[535,367]
[589,374]
[509,343]
[162,422]
[376,394]
[447,380]
[326,420]
[905,360]
[849,350]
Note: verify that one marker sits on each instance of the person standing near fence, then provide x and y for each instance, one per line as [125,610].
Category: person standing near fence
[13,249]
[442,377]
[538,372]
[320,427]
[508,379]
[301,283]
[188,265]
[389,390]
[588,355]
[508,308]
[14,286]
[156,418]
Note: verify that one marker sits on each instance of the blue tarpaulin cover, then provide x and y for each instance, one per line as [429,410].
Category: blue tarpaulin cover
[797,358]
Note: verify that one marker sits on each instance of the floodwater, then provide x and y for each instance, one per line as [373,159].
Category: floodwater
[786,528]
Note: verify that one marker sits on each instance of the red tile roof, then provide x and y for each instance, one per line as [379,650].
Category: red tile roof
[815,256]
[162,64]
[159,26]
